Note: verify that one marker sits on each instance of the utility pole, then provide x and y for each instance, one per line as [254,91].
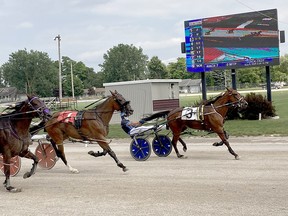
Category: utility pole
[60,75]
[72,81]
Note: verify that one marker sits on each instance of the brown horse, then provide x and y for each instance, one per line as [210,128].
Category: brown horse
[212,114]
[15,137]
[92,125]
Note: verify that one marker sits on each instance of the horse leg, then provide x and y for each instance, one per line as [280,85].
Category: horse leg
[174,143]
[183,144]
[221,142]
[28,154]
[59,149]
[225,141]
[119,164]
[7,185]
[106,149]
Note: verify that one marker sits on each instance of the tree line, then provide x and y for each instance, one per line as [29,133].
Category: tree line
[34,71]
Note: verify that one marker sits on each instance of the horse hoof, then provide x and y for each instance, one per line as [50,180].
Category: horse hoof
[125,169]
[95,154]
[184,149]
[180,156]
[13,189]
[237,157]
[26,175]
[218,144]
[74,171]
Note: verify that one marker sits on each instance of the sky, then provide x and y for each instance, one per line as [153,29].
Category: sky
[89,28]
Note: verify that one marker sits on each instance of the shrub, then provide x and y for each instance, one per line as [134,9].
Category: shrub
[257,103]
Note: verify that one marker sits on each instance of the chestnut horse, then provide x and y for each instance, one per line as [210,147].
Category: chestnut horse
[15,137]
[93,126]
[213,113]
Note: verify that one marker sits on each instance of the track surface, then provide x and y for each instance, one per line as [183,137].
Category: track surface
[208,182]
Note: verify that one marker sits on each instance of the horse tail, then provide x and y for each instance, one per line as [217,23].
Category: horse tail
[162,114]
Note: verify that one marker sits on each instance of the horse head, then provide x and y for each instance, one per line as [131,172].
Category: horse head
[38,107]
[123,104]
[236,99]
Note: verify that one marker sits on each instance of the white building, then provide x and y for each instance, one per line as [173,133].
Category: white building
[146,96]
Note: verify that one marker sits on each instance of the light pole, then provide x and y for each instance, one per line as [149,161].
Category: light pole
[60,76]
[72,82]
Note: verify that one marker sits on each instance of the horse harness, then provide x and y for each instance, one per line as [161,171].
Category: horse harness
[13,132]
[78,124]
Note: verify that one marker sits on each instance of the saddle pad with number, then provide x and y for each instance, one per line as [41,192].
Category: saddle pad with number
[73,117]
[190,113]
[67,116]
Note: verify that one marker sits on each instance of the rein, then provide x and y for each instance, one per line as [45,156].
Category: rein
[16,114]
[226,104]
[219,106]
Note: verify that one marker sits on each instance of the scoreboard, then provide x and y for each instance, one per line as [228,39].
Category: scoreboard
[232,41]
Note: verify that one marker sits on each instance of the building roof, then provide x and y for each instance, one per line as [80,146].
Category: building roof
[190,82]
[143,81]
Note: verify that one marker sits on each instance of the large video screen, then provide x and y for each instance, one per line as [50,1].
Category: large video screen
[233,41]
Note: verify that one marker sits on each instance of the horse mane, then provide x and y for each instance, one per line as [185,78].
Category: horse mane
[212,100]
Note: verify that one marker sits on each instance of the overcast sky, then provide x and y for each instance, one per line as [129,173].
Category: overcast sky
[89,28]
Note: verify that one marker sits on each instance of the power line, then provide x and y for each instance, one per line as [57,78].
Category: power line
[259,12]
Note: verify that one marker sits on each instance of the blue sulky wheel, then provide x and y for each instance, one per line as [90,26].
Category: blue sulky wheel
[140,150]
[162,145]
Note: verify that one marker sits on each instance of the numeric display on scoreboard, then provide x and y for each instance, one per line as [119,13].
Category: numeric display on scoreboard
[194,43]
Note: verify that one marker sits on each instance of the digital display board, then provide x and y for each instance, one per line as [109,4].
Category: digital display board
[232,41]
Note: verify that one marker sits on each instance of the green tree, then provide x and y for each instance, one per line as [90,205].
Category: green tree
[219,78]
[80,70]
[280,72]
[123,63]
[67,86]
[83,77]
[252,75]
[177,70]
[156,69]
[98,80]
[30,72]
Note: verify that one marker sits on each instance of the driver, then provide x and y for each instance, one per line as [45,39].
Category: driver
[133,128]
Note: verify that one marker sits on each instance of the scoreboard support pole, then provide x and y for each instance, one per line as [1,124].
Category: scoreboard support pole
[233,76]
[203,81]
[268,83]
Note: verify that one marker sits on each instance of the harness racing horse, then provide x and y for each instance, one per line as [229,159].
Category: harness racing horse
[212,115]
[93,126]
[15,137]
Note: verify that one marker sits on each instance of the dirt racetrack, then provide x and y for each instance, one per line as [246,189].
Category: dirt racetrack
[208,182]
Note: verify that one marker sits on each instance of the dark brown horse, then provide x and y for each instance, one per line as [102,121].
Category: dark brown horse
[212,114]
[92,125]
[15,137]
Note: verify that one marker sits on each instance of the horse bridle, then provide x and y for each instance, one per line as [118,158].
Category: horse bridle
[123,106]
[239,100]
[42,111]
